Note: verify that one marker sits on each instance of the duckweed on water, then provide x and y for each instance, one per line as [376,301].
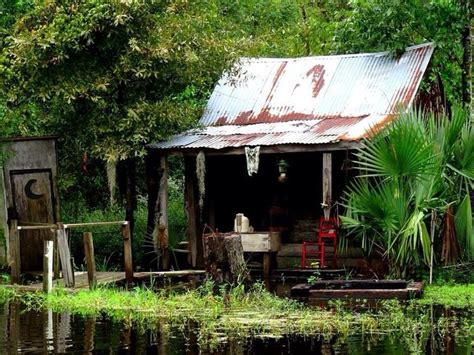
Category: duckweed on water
[237,314]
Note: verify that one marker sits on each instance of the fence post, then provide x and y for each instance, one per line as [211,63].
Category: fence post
[90,260]
[65,256]
[14,257]
[127,252]
[48,258]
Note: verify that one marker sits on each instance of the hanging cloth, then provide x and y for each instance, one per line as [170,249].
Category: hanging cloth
[253,156]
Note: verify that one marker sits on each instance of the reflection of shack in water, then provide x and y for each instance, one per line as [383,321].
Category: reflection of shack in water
[276,144]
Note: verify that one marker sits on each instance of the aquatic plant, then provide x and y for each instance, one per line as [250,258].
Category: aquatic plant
[233,313]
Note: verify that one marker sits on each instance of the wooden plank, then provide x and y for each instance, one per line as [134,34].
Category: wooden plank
[65,256]
[327,184]
[273,149]
[127,253]
[48,265]
[93,224]
[178,273]
[401,294]
[262,242]
[15,260]
[90,260]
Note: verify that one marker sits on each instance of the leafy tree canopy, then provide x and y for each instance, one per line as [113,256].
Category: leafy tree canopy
[108,76]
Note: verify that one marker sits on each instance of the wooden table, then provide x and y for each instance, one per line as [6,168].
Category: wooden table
[262,242]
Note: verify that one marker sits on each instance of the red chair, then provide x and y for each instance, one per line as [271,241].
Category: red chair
[328,231]
[312,249]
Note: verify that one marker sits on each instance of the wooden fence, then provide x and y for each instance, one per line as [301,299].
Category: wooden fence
[59,235]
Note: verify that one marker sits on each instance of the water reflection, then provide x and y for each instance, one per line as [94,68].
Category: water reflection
[48,332]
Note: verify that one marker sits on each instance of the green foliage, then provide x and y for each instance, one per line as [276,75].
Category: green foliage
[417,165]
[108,243]
[393,25]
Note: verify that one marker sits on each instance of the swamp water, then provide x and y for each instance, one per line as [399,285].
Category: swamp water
[29,331]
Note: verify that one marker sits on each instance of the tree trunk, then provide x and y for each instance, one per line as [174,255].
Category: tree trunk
[152,182]
[224,257]
[467,55]
[130,193]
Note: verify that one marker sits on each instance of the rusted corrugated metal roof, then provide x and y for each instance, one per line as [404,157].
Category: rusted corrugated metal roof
[310,100]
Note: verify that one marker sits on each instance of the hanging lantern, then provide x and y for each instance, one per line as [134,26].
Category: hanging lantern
[283,170]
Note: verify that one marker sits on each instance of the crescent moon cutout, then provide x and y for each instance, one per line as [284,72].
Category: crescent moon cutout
[29,193]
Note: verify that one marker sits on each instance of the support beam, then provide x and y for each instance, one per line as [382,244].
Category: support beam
[90,259]
[192,210]
[14,249]
[127,253]
[327,184]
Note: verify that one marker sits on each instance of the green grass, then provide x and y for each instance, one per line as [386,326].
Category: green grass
[452,296]
[237,314]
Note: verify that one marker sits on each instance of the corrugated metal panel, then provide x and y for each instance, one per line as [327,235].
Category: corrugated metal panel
[309,100]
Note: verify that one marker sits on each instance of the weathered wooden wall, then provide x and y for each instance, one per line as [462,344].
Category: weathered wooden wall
[30,192]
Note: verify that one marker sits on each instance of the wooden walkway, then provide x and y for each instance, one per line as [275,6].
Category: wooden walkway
[108,278]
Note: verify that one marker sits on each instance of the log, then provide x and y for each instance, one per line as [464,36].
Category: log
[90,260]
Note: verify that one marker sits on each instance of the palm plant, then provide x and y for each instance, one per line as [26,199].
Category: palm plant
[417,165]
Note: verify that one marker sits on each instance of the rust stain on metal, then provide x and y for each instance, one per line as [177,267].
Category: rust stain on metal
[265,116]
[221,121]
[277,76]
[243,118]
[344,95]
[317,73]
[336,121]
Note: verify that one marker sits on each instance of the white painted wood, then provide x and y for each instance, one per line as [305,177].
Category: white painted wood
[48,265]
[261,242]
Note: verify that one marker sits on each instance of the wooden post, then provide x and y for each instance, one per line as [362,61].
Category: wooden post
[327,184]
[161,226]
[192,210]
[48,258]
[57,262]
[65,256]
[14,244]
[90,259]
[267,265]
[127,252]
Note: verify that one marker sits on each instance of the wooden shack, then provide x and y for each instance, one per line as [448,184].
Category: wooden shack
[275,143]
[28,194]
